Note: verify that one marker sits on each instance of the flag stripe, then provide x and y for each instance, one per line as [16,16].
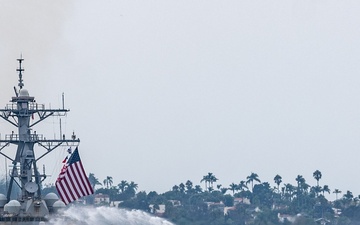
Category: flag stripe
[74,186]
[68,189]
[79,180]
[86,181]
[63,192]
[72,182]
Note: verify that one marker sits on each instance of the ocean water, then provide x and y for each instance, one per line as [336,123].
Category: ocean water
[106,216]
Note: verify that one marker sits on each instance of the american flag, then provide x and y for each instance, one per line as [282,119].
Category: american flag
[72,182]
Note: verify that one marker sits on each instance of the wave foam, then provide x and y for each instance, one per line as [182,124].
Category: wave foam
[106,216]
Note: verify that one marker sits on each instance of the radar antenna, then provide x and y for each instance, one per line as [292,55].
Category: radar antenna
[20,70]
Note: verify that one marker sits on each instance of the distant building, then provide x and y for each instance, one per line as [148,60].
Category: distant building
[160,209]
[175,202]
[158,212]
[215,206]
[290,218]
[337,212]
[81,201]
[101,199]
[228,209]
[322,221]
[241,200]
[115,204]
[276,206]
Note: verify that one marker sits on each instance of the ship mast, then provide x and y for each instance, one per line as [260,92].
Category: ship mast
[18,113]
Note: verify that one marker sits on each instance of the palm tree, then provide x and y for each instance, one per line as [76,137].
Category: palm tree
[317,175]
[212,179]
[305,187]
[209,178]
[289,188]
[131,189]
[300,181]
[206,179]
[233,187]
[108,181]
[250,179]
[278,180]
[93,180]
[223,190]
[325,188]
[336,191]
[122,185]
[242,186]
[132,186]
[349,195]
[316,190]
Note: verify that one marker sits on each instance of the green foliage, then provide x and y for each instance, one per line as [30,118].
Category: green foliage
[352,212]
[262,195]
[139,202]
[302,220]
[228,200]
[93,180]
[342,221]
[241,214]
[198,207]
[266,217]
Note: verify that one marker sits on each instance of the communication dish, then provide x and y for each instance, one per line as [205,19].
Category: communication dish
[31,187]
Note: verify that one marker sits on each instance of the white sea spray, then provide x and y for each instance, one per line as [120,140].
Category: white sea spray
[106,216]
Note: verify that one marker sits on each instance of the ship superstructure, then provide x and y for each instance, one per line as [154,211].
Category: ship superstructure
[23,112]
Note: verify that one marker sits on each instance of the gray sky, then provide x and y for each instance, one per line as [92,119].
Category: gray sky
[162,92]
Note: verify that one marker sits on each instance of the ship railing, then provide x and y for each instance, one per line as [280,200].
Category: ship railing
[14,171]
[11,106]
[16,137]
[40,139]
[31,106]
[36,106]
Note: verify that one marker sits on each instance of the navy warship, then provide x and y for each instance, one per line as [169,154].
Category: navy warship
[29,207]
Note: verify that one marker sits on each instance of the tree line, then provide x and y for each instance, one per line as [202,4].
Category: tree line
[199,205]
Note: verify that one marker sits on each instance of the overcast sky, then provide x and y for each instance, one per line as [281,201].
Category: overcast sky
[162,92]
